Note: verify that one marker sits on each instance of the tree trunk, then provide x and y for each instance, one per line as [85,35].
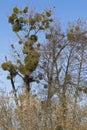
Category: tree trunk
[14,92]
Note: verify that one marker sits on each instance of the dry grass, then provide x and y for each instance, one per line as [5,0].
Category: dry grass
[32,114]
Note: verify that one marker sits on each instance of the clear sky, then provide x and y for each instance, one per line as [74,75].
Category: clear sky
[65,10]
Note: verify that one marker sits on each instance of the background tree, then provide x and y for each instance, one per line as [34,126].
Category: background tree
[63,66]
[79,39]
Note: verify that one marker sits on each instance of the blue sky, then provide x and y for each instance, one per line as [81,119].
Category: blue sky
[65,10]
